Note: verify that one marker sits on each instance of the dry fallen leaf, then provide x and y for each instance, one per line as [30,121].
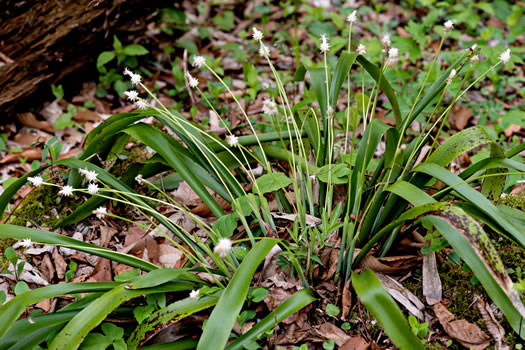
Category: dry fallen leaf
[459,117]
[169,255]
[403,296]
[355,343]
[29,119]
[466,333]
[493,326]
[102,272]
[432,289]
[29,154]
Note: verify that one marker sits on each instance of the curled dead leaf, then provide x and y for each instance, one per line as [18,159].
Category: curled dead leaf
[466,333]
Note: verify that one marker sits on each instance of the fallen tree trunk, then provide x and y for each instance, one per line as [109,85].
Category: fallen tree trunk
[43,41]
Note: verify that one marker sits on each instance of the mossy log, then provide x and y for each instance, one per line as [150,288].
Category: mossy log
[42,41]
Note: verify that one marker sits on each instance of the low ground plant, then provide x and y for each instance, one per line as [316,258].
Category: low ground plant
[321,168]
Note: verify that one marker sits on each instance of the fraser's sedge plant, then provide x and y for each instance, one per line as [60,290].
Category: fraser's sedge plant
[306,164]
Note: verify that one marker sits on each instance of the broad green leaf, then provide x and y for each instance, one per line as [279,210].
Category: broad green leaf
[225,225]
[104,58]
[385,310]
[272,182]
[338,173]
[224,315]
[135,50]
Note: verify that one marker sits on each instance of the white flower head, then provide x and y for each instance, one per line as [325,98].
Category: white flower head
[26,243]
[361,49]
[194,294]
[132,95]
[91,175]
[385,40]
[100,212]
[92,188]
[192,82]
[135,78]
[505,56]
[257,34]
[198,61]
[36,181]
[139,179]
[352,17]
[325,46]
[449,25]
[393,53]
[66,191]
[451,76]
[223,247]
[264,50]
[269,107]
[232,140]
[474,59]
[140,104]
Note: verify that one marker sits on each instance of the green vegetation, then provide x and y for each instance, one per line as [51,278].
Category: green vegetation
[355,149]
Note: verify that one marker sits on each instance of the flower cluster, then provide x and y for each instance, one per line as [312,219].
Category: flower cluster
[198,61]
[269,107]
[361,49]
[232,140]
[257,34]
[135,78]
[36,181]
[352,17]
[192,82]
[223,247]
[325,46]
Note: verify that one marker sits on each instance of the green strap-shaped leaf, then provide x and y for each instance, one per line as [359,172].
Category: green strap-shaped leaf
[72,335]
[385,86]
[29,332]
[410,193]
[160,276]
[469,240]
[342,69]
[11,310]
[168,315]
[290,306]
[223,316]
[385,310]
[490,163]
[458,144]
[473,196]
[156,140]
[494,183]
[46,237]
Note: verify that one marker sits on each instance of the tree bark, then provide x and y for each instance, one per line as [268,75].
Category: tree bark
[43,41]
